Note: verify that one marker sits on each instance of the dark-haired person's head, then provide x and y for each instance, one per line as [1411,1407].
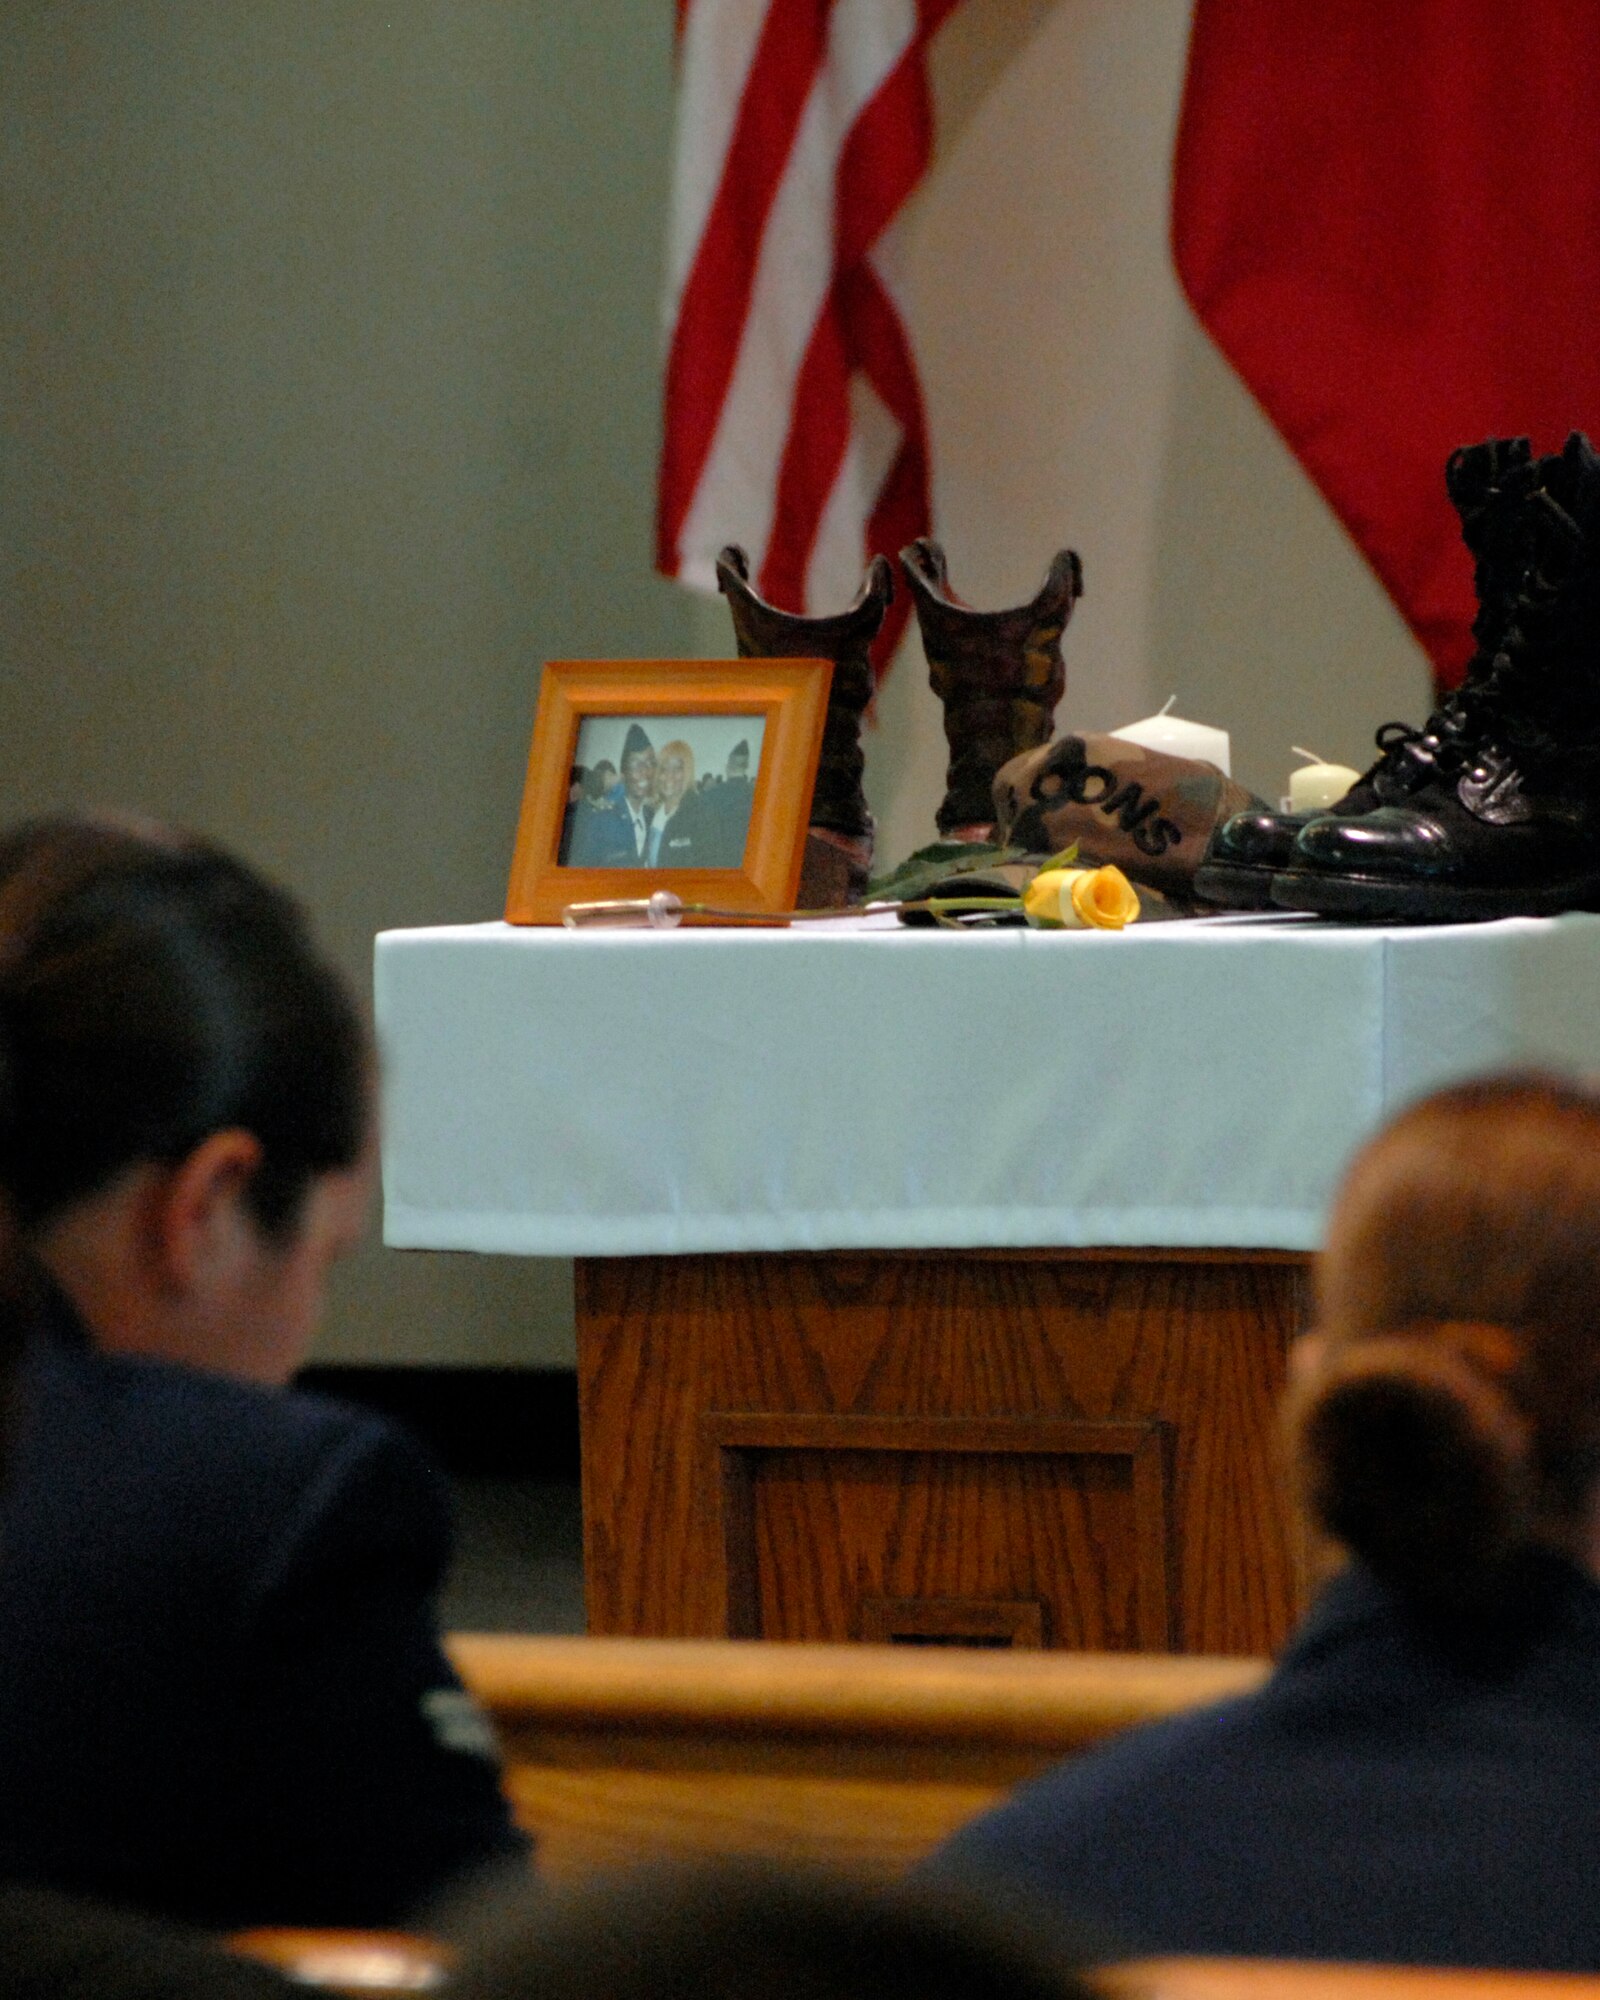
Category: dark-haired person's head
[186,1142]
[1445,1418]
[727,1932]
[638,766]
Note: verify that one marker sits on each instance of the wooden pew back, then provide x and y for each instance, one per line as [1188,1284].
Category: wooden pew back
[859,1757]
[1272,1979]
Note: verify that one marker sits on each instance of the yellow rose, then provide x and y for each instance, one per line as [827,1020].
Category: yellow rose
[1100,899]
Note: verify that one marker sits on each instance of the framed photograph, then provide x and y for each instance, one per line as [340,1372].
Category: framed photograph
[689,775]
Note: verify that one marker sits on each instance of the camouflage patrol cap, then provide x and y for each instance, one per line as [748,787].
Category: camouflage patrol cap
[1150,814]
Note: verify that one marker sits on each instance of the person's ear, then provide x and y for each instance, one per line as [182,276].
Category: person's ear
[199,1210]
[1307,1352]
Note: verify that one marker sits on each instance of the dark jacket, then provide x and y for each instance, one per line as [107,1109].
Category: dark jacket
[728,806]
[1391,1793]
[690,838]
[602,836]
[55,1947]
[222,1696]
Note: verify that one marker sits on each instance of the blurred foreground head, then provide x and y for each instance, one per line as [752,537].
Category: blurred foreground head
[1445,1417]
[740,1933]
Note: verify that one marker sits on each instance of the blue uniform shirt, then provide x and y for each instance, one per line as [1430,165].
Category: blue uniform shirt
[222,1696]
[1391,1793]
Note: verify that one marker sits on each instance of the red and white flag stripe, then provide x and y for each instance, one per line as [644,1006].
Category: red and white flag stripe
[793,417]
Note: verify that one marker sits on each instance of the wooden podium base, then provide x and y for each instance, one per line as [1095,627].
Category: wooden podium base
[998,1448]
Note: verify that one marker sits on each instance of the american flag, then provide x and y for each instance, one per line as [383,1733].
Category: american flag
[793,416]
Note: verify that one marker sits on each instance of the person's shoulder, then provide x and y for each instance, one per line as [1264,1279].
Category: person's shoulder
[1161,1752]
[219,1410]
[327,1486]
[1082,1801]
[189,1429]
[690,822]
[600,826]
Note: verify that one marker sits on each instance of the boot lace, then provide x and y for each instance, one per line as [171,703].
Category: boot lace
[1474,722]
[1408,755]
[1486,724]
[1527,546]
[1483,719]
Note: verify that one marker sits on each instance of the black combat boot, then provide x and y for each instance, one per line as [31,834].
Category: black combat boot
[1505,820]
[1488,484]
[998,673]
[838,858]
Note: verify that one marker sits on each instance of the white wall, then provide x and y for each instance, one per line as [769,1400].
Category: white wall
[327,343]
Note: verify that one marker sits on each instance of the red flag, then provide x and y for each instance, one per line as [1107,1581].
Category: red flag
[793,416]
[1387,215]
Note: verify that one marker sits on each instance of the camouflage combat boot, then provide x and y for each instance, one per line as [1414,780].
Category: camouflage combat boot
[838,858]
[998,673]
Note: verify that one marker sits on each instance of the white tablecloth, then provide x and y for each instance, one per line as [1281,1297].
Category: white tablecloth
[550,1093]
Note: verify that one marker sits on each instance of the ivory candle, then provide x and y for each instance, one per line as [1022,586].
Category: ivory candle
[1316,786]
[1175,737]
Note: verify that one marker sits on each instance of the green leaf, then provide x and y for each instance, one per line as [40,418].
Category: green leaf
[919,872]
[1067,858]
[962,913]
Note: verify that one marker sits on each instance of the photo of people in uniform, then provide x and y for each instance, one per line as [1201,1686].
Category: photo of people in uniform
[661,791]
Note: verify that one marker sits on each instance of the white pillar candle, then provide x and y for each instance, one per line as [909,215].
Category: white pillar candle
[1316,786]
[1175,737]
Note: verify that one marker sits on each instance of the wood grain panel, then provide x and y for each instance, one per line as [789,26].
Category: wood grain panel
[1003,1623]
[608,1818]
[621,1750]
[832,1528]
[1194,1343]
[1287,1979]
[613,1691]
[829,1511]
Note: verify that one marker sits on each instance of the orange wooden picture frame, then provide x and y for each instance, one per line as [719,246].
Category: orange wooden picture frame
[789,696]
